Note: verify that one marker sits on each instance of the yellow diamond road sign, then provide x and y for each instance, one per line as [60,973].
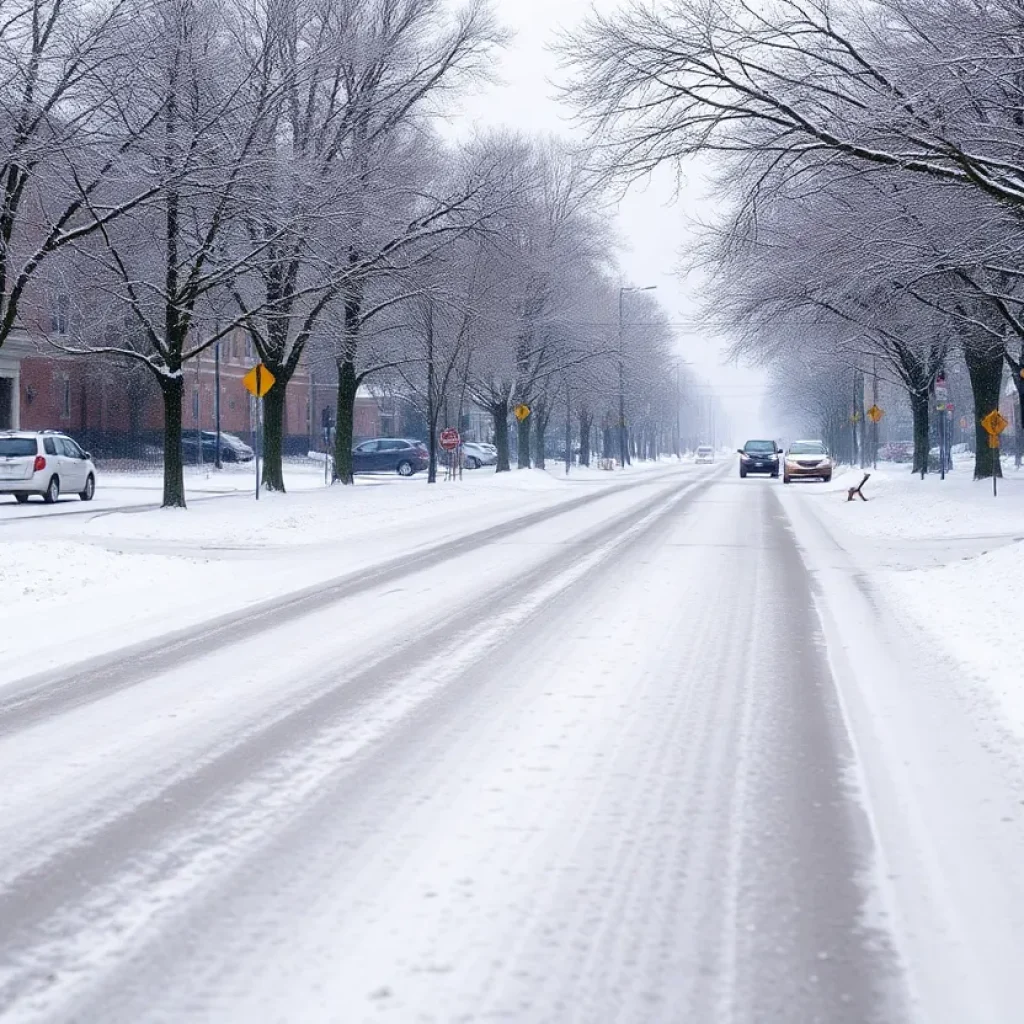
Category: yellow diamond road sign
[521,411]
[875,414]
[259,380]
[995,423]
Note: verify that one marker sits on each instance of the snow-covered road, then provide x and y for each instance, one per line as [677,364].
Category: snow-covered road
[593,767]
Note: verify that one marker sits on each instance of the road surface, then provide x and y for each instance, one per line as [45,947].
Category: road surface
[592,769]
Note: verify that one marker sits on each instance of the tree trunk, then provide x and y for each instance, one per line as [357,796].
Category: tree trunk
[432,443]
[173,389]
[432,410]
[986,372]
[273,437]
[568,431]
[1019,454]
[348,384]
[919,402]
[523,434]
[540,427]
[499,413]
[586,420]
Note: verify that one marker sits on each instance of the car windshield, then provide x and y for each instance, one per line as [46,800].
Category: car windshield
[807,448]
[759,446]
[703,451]
[17,446]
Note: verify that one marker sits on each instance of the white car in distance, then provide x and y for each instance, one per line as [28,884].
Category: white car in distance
[46,463]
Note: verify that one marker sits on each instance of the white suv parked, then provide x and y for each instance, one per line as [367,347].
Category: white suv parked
[44,462]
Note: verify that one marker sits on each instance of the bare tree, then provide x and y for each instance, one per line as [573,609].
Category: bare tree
[164,261]
[66,132]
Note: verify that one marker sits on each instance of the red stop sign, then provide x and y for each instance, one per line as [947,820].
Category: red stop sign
[450,439]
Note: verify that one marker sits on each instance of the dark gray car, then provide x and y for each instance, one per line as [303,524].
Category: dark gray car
[759,457]
[390,455]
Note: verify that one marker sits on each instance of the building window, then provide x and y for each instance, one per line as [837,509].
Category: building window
[59,314]
[195,405]
[65,405]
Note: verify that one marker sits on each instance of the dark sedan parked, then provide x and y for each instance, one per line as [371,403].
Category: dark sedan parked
[759,457]
[390,455]
[232,449]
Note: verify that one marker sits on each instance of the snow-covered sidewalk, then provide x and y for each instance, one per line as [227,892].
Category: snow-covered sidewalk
[117,577]
[948,555]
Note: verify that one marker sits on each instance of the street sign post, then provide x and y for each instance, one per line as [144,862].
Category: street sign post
[994,424]
[874,414]
[258,381]
[450,442]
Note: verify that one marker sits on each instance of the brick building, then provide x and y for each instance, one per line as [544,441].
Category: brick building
[115,409]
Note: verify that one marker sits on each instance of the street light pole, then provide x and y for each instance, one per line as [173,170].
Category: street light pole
[216,402]
[622,391]
[622,374]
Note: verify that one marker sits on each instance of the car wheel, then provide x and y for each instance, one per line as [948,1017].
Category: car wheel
[52,492]
[21,498]
[785,479]
[775,475]
[743,473]
[472,463]
[90,489]
[405,469]
[827,479]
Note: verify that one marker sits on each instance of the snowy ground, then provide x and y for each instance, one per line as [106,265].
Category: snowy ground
[637,748]
[143,487]
[117,577]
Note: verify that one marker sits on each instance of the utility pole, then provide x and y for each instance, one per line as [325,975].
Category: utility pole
[622,374]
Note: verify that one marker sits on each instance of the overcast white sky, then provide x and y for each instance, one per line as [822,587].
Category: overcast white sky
[655,224]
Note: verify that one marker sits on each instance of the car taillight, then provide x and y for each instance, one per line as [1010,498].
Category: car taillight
[39,465]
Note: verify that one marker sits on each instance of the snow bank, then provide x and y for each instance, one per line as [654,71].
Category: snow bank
[971,610]
[948,555]
[901,505]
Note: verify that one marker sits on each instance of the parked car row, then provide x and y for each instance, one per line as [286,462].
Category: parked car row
[406,456]
[48,463]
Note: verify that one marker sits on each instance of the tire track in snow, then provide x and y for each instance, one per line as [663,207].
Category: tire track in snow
[56,904]
[37,697]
